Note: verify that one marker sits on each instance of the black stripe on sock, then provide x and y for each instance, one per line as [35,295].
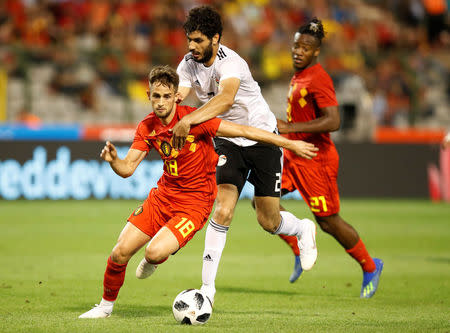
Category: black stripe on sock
[217,227]
[276,232]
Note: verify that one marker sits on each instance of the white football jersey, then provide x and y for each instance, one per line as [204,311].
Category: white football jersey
[249,106]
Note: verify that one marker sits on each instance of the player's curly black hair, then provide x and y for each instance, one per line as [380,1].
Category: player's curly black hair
[165,75]
[313,28]
[204,19]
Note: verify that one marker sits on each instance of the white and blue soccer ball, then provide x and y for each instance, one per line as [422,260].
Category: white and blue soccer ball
[192,307]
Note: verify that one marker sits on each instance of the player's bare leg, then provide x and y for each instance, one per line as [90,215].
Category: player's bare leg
[343,232]
[347,236]
[216,235]
[283,222]
[163,244]
[158,249]
[131,239]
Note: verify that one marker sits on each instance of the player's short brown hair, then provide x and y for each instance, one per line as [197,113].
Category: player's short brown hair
[165,75]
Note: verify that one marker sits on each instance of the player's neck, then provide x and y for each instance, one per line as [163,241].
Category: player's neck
[312,63]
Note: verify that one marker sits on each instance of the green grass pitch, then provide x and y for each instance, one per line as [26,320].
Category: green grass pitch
[53,256]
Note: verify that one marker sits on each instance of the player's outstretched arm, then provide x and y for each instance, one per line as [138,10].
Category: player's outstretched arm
[217,105]
[329,121]
[124,168]
[301,148]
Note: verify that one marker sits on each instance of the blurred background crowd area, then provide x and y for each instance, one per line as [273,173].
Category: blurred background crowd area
[87,61]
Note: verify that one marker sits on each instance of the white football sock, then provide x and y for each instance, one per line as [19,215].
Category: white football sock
[215,238]
[104,302]
[289,225]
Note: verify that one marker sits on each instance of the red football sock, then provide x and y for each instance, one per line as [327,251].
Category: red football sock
[113,279]
[292,242]
[360,254]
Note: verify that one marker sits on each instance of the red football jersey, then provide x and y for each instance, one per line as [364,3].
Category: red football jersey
[310,90]
[193,168]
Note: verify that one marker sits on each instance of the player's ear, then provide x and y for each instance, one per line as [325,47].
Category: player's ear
[317,52]
[148,94]
[215,39]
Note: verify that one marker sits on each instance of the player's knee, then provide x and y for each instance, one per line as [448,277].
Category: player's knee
[120,255]
[223,215]
[327,224]
[155,254]
[253,203]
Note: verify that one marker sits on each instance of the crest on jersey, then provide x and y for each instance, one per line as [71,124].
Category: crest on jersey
[166,148]
[139,210]
[222,160]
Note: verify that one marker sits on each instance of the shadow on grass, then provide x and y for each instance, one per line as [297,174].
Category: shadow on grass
[128,310]
[438,260]
[314,292]
[133,310]
[259,291]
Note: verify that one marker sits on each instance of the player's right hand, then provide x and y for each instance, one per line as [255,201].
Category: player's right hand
[304,149]
[180,132]
[109,152]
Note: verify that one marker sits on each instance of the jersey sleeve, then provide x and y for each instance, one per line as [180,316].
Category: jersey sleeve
[139,141]
[183,73]
[324,93]
[208,128]
[232,67]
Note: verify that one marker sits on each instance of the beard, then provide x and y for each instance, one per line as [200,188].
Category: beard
[207,54]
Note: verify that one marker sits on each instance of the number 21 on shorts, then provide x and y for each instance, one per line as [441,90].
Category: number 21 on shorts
[318,204]
[185,227]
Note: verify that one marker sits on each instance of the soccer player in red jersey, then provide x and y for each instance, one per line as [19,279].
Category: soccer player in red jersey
[312,113]
[180,205]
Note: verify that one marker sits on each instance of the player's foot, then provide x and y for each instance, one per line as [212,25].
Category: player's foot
[297,270]
[370,280]
[98,311]
[307,245]
[209,292]
[145,269]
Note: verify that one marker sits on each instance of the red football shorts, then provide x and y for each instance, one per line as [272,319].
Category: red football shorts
[316,182]
[183,217]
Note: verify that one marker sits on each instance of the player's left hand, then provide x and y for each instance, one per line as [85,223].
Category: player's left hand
[180,132]
[304,149]
[109,152]
[283,126]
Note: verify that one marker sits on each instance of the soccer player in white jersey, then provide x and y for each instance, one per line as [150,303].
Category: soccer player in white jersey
[223,82]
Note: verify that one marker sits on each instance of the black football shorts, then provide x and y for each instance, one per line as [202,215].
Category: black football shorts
[260,164]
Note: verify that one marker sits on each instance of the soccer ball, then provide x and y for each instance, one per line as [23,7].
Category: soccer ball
[191,307]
